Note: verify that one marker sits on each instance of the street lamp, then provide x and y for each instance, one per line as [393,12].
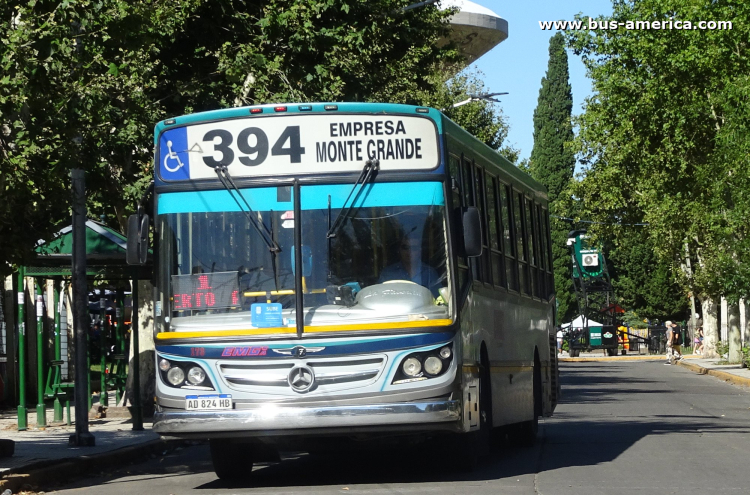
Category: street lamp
[483,97]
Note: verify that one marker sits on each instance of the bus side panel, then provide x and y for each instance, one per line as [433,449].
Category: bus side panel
[512,327]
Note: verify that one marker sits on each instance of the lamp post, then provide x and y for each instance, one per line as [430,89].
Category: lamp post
[481,97]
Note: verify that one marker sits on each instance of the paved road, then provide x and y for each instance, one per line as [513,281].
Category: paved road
[623,428]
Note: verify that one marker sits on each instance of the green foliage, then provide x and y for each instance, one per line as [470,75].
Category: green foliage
[633,320]
[83,83]
[641,282]
[722,349]
[552,163]
[664,138]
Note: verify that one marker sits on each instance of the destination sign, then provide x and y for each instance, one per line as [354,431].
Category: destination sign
[204,291]
[297,144]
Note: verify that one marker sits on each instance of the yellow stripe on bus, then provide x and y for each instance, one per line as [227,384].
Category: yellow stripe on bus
[252,332]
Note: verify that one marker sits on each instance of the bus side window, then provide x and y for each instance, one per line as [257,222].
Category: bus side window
[496,255]
[542,250]
[470,200]
[532,247]
[523,267]
[454,163]
[459,199]
[485,268]
[548,245]
[466,182]
[511,265]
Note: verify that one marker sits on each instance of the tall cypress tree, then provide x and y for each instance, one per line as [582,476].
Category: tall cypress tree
[553,165]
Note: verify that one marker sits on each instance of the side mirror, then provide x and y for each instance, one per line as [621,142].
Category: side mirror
[137,251]
[472,230]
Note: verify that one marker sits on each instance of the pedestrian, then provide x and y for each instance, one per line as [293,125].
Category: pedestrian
[698,341]
[677,340]
[673,335]
[559,340]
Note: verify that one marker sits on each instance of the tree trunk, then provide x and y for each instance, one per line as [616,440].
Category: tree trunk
[734,335]
[744,324]
[147,370]
[710,327]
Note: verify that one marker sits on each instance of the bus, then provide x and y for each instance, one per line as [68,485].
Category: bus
[344,270]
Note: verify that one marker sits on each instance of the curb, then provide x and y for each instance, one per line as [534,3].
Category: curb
[53,472]
[722,375]
[608,359]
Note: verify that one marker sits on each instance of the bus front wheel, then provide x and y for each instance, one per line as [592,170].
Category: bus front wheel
[231,461]
[476,444]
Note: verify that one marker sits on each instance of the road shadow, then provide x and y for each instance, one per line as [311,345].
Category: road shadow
[598,419]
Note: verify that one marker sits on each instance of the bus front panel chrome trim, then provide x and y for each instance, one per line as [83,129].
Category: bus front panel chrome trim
[278,417]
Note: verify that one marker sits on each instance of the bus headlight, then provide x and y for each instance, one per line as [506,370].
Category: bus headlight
[433,365]
[411,367]
[196,375]
[424,365]
[176,376]
[164,364]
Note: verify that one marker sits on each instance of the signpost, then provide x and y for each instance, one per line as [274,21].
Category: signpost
[82,436]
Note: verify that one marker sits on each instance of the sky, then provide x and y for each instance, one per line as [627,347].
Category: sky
[518,64]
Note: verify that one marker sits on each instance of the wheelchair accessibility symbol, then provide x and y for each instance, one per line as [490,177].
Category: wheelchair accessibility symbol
[173,158]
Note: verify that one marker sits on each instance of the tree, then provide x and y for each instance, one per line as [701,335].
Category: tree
[552,163]
[83,82]
[642,283]
[662,137]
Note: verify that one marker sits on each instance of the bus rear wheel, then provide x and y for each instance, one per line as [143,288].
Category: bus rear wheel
[525,434]
[232,461]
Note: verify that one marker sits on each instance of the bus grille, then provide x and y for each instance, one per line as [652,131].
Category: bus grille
[331,374]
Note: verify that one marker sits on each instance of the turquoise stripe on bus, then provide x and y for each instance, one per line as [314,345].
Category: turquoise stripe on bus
[259,199]
[313,198]
[388,194]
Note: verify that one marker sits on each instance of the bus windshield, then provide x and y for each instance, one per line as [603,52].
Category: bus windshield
[386,262]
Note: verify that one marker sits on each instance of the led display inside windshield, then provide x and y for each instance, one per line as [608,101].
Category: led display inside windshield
[204,291]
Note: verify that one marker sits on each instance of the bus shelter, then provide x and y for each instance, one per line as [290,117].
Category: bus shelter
[40,361]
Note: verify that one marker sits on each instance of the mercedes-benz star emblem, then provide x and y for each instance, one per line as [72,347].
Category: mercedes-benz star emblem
[301,378]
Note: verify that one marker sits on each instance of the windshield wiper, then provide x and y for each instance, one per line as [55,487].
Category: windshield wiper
[368,173]
[230,186]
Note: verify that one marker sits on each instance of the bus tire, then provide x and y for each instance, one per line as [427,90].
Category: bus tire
[232,461]
[525,434]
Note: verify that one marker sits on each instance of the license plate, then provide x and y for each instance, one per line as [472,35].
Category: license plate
[208,402]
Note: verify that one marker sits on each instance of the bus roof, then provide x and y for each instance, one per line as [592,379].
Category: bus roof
[492,156]
[319,107]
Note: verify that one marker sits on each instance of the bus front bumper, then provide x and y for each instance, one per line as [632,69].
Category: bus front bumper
[280,418]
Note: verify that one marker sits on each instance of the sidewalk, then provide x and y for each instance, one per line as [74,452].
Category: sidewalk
[42,455]
[731,373]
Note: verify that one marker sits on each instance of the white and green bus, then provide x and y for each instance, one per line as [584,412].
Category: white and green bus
[345,270]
